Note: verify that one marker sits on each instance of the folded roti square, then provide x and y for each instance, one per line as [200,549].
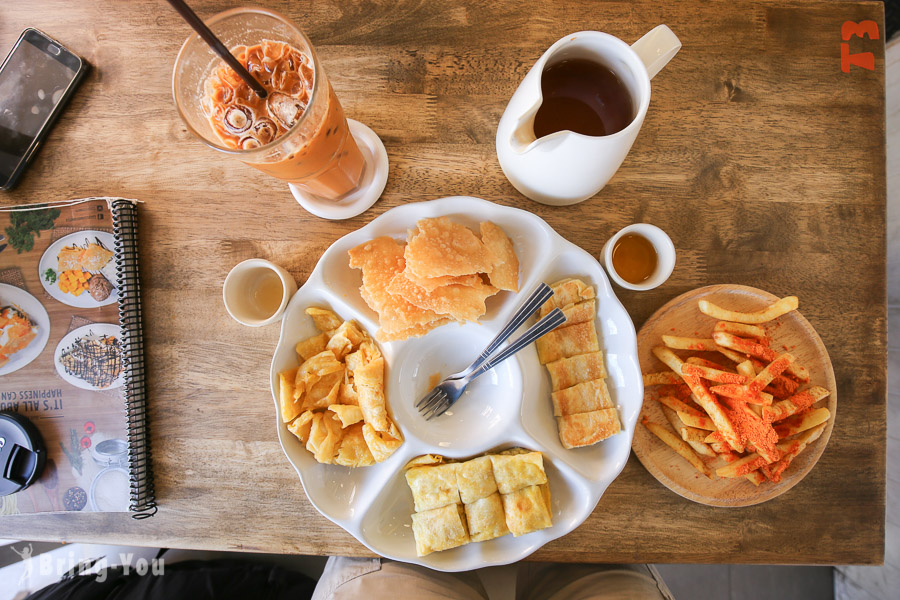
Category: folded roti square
[441,247]
[584,429]
[566,292]
[486,519]
[565,342]
[581,398]
[580,312]
[440,529]
[475,479]
[528,509]
[567,372]
[433,487]
[516,471]
[504,273]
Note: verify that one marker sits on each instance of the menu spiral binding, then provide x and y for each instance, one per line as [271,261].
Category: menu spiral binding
[142,497]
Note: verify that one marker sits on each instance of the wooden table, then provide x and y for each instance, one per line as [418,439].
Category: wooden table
[761,158]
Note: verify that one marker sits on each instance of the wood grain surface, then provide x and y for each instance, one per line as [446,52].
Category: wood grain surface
[763,161]
[680,316]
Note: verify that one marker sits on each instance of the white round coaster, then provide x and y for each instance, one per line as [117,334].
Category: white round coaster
[369,191]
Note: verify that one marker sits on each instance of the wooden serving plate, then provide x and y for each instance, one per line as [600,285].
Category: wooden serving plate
[681,316]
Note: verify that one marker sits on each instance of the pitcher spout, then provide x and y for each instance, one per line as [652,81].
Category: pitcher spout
[523,135]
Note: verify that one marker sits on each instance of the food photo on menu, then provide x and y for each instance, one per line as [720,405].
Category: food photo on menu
[481,299]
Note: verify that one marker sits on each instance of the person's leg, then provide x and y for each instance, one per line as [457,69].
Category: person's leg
[592,582]
[378,579]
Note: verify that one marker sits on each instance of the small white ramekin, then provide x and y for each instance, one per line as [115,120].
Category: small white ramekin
[236,289]
[665,251]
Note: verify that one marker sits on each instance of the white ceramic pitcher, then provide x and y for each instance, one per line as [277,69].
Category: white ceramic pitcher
[567,167]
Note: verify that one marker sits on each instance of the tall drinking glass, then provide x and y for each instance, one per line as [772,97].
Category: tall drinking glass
[298,133]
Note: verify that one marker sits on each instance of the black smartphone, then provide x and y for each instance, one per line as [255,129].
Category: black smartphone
[37,78]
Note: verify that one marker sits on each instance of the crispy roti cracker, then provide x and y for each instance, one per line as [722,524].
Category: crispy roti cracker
[504,273]
[414,331]
[461,302]
[441,247]
[380,260]
[429,284]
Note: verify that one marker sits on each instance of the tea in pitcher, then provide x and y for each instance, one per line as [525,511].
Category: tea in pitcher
[583,96]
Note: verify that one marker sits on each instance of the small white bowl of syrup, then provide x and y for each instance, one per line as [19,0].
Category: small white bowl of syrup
[257,291]
[639,257]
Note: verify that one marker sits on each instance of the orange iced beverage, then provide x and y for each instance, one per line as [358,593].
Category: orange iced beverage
[326,161]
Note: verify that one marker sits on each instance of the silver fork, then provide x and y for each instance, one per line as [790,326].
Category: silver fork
[521,314]
[448,392]
[531,304]
[534,301]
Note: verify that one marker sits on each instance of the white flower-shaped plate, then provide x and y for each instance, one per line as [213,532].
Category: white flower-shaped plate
[509,406]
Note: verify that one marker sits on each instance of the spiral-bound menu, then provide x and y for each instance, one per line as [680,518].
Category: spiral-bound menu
[72,359]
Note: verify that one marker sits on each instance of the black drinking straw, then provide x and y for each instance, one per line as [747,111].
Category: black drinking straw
[210,38]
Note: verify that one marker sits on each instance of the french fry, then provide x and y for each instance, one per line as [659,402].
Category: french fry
[760,436]
[715,436]
[741,329]
[794,370]
[692,434]
[678,445]
[755,477]
[712,407]
[783,387]
[801,422]
[664,378]
[742,466]
[669,358]
[733,356]
[799,371]
[791,449]
[740,392]
[770,372]
[678,425]
[773,311]
[752,414]
[746,369]
[716,375]
[696,360]
[724,451]
[679,406]
[687,343]
[794,404]
[744,345]
[692,420]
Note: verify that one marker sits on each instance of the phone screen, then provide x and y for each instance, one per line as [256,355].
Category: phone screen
[32,82]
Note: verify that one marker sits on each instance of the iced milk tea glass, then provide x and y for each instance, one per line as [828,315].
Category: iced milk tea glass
[335,168]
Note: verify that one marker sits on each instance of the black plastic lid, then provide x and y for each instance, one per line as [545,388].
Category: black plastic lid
[22,453]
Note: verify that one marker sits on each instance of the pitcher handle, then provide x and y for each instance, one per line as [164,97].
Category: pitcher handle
[657,48]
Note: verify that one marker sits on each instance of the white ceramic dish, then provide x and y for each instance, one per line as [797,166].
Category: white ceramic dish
[97,329]
[9,295]
[510,406]
[49,261]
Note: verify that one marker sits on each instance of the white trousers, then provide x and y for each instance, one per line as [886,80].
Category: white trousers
[377,579]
